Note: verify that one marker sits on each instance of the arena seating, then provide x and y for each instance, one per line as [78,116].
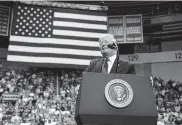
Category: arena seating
[168,97]
[48,97]
[42,99]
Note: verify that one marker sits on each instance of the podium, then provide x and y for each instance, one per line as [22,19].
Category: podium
[93,107]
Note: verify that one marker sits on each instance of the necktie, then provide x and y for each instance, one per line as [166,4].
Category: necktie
[105,66]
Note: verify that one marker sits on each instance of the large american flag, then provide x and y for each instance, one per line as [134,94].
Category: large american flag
[55,37]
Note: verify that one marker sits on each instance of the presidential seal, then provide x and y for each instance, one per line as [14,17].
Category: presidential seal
[118,93]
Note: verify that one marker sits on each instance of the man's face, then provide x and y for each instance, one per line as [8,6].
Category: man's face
[105,50]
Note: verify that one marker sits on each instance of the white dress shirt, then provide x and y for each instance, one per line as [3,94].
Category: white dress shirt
[111,62]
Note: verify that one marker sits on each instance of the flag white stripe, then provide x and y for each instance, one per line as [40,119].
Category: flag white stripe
[48,60]
[27,39]
[80,25]
[80,16]
[77,33]
[53,50]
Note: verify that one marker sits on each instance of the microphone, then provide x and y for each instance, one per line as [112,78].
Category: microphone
[111,46]
[114,46]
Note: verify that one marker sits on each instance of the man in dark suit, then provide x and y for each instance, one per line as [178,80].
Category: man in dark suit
[110,62]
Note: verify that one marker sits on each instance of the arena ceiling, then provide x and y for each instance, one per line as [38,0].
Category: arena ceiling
[147,8]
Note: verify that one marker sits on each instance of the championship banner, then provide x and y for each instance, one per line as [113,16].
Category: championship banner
[134,32]
[116,27]
[126,29]
[4,20]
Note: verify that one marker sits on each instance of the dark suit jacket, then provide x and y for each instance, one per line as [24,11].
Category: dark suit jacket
[123,67]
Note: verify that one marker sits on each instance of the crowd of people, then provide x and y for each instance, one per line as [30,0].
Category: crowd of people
[48,97]
[168,97]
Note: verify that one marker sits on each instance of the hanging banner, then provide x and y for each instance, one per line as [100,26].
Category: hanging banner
[126,29]
[4,20]
[116,27]
[134,32]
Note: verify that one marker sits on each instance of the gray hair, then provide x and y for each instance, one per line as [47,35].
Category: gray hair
[108,37]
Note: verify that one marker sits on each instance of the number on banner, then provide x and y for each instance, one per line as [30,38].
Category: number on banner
[178,55]
[132,57]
